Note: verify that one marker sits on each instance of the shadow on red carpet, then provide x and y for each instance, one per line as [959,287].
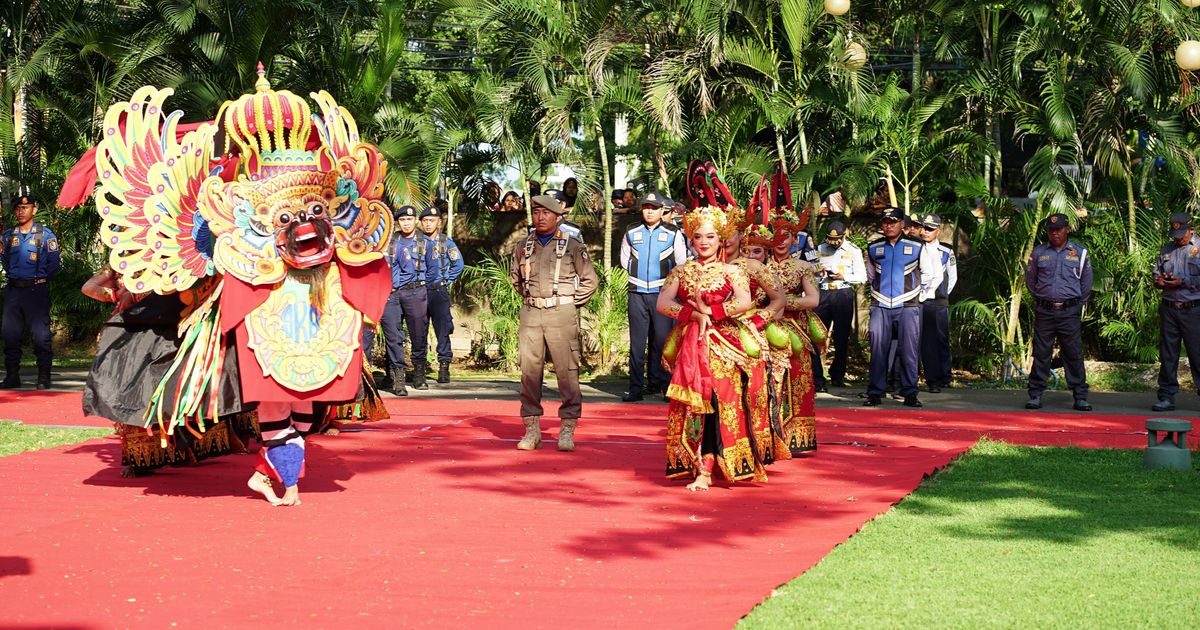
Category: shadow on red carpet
[433,519]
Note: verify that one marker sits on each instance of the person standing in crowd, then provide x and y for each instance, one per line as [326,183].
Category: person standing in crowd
[629,199]
[1059,275]
[555,277]
[449,266]
[840,269]
[935,306]
[570,191]
[1177,274]
[896,277]
[30,256]
[413,265]
[649,251]
[510,203]
[803,248]
[618,199]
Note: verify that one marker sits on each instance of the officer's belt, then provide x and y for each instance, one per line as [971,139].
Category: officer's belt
[1057,306]
[412,285]
[550,302]
[24,284]
[1179,304]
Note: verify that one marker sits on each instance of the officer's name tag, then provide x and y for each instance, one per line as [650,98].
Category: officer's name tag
[878,252]
[662,238]
[637,237]
[908,250]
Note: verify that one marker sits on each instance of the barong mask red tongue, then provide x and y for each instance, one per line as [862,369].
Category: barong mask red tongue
[306,242]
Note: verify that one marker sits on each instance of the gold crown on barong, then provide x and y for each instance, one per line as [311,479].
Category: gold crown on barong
[271,130]
[724,221]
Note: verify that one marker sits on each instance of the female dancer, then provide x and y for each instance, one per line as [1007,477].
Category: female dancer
[707,425]
[798,280]
[748,250]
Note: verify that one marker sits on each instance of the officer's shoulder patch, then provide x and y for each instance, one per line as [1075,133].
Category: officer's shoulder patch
[453,253]
[52,245]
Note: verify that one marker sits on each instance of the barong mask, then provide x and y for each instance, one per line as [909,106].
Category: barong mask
[301,197]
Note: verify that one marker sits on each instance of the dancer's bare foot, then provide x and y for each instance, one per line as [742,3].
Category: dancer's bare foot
[701,483]
[291,496]
[332,431]
[261,484]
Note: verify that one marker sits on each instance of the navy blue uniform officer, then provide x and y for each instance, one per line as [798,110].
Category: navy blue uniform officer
[413,267]
[30,256]
[1059,276]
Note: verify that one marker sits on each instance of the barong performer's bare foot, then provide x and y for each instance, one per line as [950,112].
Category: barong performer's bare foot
[702,482]
[261,484]
[332,431]
[291,496]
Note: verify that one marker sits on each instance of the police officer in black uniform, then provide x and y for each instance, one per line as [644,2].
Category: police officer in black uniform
[449,263]
[1177,274]
[30,256]
[412,263]
[1059,275]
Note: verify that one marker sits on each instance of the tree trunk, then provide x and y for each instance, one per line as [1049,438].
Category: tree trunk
[664,180]
[607,201]
[450,212]
[1132,208]
[779,149]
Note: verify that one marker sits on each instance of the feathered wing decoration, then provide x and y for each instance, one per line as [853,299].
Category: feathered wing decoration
[149,186]
[361,220]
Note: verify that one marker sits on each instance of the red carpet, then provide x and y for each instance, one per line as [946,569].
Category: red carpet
[433,519]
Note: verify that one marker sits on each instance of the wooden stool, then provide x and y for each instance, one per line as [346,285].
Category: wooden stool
[1172,453]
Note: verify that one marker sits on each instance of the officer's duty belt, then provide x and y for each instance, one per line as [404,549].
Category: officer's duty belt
[1180,304]
[413,285]
[23,284]
[550,302]
[1057,306]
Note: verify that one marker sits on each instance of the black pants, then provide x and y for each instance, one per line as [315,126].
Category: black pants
[406,307]
[646,325]
[27,307]
[1064,326]
[836,311]
[443,322]
[935,343]
[1177,325]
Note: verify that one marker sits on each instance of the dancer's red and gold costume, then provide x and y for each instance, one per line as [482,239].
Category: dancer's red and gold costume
[708,426]
[797,392]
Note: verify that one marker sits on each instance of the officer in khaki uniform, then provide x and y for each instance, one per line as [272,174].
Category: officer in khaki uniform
[554,274]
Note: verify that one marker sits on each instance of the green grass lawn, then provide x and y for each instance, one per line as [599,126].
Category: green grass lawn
[1014,537]
[17,438]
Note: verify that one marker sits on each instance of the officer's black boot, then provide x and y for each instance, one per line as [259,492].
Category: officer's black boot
[419,376]
[398,382]
[443,372]
[43,379]
[12,376]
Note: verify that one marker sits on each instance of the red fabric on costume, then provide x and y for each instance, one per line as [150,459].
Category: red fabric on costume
[237,300]
[367,288]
